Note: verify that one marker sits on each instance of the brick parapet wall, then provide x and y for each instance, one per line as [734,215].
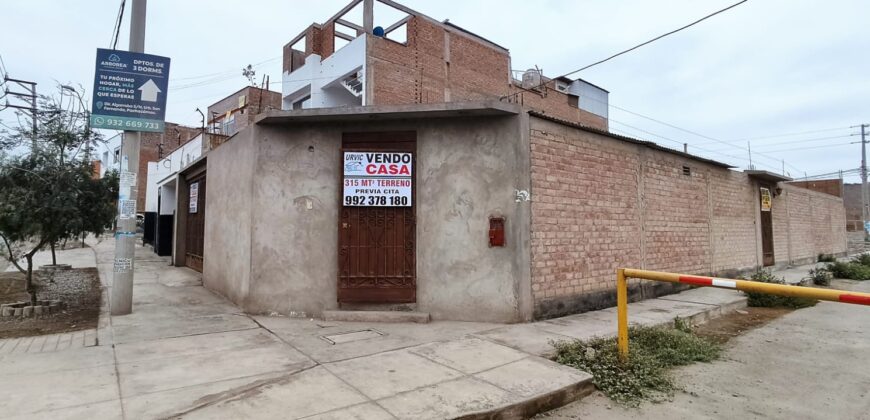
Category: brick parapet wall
[436,65]
[600,203]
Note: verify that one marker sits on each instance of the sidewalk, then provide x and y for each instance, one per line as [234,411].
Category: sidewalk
[186,352]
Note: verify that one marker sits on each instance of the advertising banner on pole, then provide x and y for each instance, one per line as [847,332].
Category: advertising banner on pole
[129,91]
[378,179]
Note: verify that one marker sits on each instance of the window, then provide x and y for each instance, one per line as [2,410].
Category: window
[229,125]
[117,155]
[687,171]
[302,103]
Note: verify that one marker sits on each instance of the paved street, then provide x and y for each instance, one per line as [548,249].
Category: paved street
[809,364]
[188,352]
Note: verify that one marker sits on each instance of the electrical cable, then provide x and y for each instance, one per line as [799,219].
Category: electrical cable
[117,32]
[639,45]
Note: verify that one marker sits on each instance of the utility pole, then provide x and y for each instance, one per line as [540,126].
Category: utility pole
[29,97]
[125,233]
[864,177]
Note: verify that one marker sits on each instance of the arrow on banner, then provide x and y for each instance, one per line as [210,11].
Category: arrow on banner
[149,91]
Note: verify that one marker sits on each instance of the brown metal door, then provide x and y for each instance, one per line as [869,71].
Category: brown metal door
[195,233]
[377,252]
[766,226]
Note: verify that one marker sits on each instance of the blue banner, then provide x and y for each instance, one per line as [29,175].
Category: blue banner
[129,91]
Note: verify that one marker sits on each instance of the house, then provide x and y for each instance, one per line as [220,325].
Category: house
[231,114]
[411,170]
[413,58]
[480,211]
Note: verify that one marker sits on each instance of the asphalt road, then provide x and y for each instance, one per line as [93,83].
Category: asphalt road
[812,363]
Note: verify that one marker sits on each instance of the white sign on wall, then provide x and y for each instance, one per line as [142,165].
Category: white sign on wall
[194,197]
[378,179]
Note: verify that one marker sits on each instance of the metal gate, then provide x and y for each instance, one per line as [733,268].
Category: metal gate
[195,233]
[377,245]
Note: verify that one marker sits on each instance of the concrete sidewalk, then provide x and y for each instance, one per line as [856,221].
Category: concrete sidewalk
[186,352]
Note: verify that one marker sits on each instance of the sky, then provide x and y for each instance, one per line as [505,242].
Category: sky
[762,72]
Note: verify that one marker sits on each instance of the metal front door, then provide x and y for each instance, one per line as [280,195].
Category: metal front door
[766,201]
[377,252]
[195,233]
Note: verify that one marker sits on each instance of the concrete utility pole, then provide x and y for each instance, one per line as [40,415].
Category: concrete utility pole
[864,177]
[125,233]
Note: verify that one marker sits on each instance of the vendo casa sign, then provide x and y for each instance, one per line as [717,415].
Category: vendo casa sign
[378,179]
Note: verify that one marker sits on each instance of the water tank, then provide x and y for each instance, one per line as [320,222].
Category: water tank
[531,79]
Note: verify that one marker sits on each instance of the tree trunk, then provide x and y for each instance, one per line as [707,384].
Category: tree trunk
[53,256]
[28,280]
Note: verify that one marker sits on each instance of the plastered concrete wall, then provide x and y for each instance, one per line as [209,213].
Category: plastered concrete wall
[294,263]
[467,170]
[227,248]
[600,203]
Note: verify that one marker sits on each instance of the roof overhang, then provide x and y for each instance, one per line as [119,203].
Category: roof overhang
[766,176]
[389,112]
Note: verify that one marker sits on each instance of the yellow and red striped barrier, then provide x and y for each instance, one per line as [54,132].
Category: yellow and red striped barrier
[622,274]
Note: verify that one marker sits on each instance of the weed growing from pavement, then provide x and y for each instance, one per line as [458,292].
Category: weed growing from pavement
[856,269]
[773,301]
[820,276]
[644,377]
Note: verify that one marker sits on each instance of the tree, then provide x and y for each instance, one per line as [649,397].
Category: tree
[49,193]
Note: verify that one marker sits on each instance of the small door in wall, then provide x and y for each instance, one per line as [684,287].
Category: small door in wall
[767,252]
[377,223]
[195,229]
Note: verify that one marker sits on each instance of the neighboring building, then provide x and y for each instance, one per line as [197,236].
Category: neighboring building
[852,199]
[108,154]
[160,191]
[237,111]
[509,214]
[419,60]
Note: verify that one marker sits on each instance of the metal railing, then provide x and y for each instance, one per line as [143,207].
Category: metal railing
[623,274]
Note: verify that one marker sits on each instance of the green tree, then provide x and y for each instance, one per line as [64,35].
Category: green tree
[48,192]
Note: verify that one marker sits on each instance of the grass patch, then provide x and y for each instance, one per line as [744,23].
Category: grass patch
[644,377]
[773,301]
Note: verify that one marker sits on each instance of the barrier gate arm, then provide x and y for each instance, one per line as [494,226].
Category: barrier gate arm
[623,274]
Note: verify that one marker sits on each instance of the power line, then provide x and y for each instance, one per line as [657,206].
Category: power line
[657,38]
[811,147]
[117,32]
[802,141]
[639,45]
[787,134]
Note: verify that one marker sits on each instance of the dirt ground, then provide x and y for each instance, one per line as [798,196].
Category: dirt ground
[778,364]
[79,288]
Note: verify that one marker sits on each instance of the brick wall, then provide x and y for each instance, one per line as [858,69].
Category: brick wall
[599,203]
[173,137]
[256,101]
[438,65]
[852,201]
[828,186]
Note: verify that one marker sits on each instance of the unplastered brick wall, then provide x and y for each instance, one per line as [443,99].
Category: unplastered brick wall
[435,65]
[733,196]
[807,223]
[600,203]
[556,104]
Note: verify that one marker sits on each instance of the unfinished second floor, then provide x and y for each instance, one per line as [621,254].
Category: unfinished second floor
[379,52]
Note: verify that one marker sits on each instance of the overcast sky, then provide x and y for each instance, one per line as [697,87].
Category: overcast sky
[763,69]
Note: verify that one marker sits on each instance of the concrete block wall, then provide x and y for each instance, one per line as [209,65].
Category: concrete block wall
[600,203]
